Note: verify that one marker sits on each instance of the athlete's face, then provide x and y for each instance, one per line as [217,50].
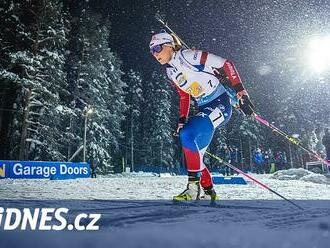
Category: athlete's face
[165,55]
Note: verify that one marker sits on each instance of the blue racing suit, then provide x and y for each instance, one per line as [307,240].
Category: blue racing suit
[196,74]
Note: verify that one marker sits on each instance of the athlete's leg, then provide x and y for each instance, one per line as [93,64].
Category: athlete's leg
[195,137]
[198,128]
[206,179]
[219,113]
[198,132]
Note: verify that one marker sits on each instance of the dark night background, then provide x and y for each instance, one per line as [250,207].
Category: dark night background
[60,59]
[267,40]
[254,34]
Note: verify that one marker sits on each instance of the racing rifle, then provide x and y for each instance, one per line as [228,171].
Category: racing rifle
[161,20]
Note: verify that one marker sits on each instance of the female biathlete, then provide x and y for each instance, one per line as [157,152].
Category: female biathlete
[205,78]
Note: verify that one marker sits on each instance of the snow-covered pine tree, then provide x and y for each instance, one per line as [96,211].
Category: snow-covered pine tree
[132,125]
[36,57]
[9,75]
[305,108]
[99,85]
[157,125]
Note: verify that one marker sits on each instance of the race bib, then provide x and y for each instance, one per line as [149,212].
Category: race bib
[216,116]
[195,89]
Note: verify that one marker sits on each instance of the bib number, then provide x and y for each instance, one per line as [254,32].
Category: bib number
[216,116]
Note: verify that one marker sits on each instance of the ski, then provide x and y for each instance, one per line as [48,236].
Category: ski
[218,204]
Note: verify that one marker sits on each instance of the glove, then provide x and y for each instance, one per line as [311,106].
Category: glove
[221,75]
[182,121]
[244,103]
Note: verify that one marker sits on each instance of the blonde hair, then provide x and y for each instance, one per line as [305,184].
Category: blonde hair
[177,42]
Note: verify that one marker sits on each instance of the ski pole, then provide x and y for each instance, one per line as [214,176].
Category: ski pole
[291,139]
[250,177]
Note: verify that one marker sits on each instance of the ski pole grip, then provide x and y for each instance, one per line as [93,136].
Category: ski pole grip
[261,120]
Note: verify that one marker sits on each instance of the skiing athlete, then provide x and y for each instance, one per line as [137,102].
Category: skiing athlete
[207,79]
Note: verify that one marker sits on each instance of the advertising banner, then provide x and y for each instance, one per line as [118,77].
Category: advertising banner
[43,170]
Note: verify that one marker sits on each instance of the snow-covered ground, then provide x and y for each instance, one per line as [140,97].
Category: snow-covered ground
[294,184]
[247,216]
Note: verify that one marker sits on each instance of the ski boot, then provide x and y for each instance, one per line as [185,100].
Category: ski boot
[210,194]
[191,193]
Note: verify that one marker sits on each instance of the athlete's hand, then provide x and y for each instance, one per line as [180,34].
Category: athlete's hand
[182,121]
[245,104]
